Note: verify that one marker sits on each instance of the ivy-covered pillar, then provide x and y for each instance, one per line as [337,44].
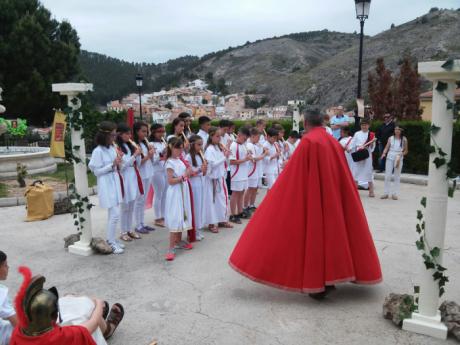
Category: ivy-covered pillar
[83,214]
[296,119]
[427,319]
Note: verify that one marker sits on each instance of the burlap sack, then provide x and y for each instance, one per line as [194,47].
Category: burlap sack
[39,201]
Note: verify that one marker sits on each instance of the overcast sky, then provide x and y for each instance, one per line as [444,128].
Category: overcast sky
[155,31]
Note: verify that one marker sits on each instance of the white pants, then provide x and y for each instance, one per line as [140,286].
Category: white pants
[392,188]
[114,216]
[139,206]
[159,194]
[126,216]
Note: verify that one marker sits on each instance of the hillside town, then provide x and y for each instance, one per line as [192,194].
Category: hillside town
[194,98]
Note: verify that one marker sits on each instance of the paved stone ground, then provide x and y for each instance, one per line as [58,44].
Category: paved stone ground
[199,299]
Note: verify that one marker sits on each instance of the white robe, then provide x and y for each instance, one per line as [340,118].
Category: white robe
[159,180]
[363,170]
[130,183]
[178,209]
[108,181]
[216,194]
[198,183]
[346,143]
[6,311]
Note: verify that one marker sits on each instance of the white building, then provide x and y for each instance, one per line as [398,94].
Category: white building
[199,84]
[161,116]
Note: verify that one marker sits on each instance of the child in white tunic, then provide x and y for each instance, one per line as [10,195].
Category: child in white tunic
[157,132]
[396,149]
[8,318]
[292,142]
[345,141]
[178,215]
[216,195]
[363,170]
[255,167]
[106,164]
[199,168]
[144,164]
[131,179]
[271,164]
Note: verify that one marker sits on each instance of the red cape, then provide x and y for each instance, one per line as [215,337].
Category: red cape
[68,335]
[310,230]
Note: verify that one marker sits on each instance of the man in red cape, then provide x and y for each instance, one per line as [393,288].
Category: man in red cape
[310,232]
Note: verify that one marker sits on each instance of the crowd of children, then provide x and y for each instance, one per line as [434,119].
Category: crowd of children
[202,181]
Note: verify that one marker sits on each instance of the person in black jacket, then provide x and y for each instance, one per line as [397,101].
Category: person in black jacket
[385,131]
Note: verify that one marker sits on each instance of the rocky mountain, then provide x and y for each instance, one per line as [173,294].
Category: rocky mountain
[319,66]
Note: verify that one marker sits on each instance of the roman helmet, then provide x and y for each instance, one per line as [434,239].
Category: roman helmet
[36,307]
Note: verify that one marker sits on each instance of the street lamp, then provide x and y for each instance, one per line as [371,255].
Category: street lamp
[139,82]
[362,13]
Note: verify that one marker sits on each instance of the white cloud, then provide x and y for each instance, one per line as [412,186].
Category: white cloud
[155,31]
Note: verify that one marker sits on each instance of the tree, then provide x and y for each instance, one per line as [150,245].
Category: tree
[169,106]
[35,51]
[380,90]
[407,92]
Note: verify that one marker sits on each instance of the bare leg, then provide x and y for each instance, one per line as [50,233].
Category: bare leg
[252,200]
[371,189]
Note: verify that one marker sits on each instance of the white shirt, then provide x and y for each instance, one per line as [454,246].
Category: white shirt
[359,139]
[396,148]
[160,151]
[216,162]
[271,165]
[146,168]
[203,136]
[255,168]
[238,152]
[6,311]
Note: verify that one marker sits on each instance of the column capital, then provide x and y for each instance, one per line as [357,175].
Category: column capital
[434,70]
[72,89]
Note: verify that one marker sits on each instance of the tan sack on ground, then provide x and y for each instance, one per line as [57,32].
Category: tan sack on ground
[39,201]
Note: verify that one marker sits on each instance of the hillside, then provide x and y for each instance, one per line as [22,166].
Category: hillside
[319,66]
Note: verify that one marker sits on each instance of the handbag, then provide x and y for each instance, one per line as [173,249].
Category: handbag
[363,154]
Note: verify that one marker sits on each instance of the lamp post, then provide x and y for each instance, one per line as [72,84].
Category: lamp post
[362,13]
[139,81]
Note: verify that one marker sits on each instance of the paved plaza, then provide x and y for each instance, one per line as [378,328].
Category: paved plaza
[199,299]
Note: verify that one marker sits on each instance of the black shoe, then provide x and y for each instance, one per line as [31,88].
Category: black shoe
[252,208]
[322,295]
[235,219]
[244,215]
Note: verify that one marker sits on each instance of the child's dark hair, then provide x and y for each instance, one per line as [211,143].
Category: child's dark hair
[173,143]
[124,128]
[346,130]
[294,134]
[278,127]
[193,140]
[272,132]
[260,122]
[136,127]
[155,127]
[244,130]
[203,120]
[175,122]
[225,123]
[212,131]
[104,132]
[3,257]
[184,115]
[254,131]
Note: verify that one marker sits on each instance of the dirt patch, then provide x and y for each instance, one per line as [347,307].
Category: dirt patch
[15,191]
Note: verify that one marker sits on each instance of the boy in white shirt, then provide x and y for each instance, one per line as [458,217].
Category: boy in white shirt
[226,141]
[261,124]
[239,166]
[205,125]
[271,164]
[292,142]
[8,318]
[258,154]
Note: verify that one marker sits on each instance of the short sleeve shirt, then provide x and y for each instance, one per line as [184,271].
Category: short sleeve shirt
[336,121]
[6,308]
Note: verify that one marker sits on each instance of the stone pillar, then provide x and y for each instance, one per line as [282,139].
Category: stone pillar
[428,320]
[296,119]
[72,90]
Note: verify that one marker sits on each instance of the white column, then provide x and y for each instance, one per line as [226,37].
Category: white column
[428,320]
[296,119]
[72,90]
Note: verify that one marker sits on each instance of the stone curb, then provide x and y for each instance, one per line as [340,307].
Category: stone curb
[419,180]
[18,201]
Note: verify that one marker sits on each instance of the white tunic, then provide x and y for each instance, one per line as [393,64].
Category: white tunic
[108,181]
[363,170]
[396,148]
[345,142]
[160,151]
[129,177]
[271,166]
[255,168]
[178,210]
[198,183]
[238,152]
[216,194]
[6,311]
[203,136]
[146,168]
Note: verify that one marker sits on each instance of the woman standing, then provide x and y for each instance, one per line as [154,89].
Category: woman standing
[363,171]
[397,147]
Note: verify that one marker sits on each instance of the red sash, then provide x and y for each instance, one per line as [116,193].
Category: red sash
[139,179]
[237,158]
[122,184]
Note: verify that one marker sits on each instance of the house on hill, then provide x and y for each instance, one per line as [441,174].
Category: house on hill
[426,103]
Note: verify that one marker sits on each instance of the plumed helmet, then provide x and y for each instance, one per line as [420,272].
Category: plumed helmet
[37,307]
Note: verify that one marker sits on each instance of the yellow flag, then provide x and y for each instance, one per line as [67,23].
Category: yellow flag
[58,135]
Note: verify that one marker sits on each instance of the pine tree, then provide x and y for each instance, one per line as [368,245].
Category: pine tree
[35,51]
[380,90]
[407,92]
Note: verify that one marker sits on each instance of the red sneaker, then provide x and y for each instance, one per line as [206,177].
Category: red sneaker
[170,255]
